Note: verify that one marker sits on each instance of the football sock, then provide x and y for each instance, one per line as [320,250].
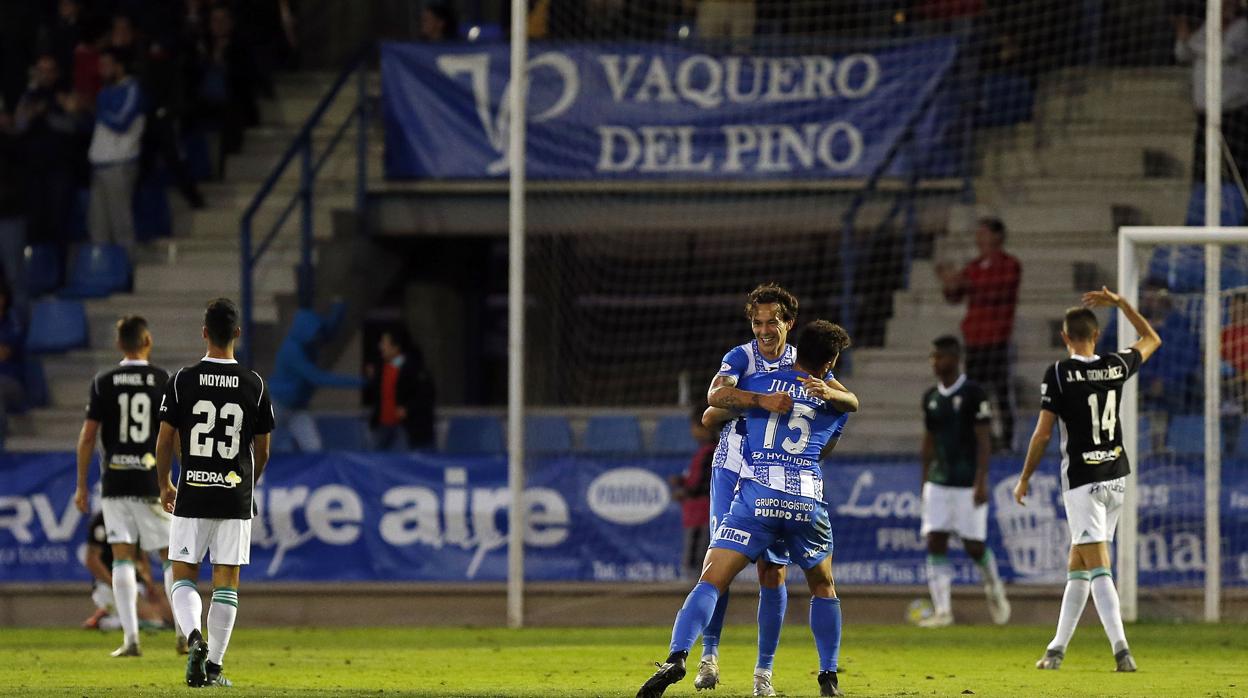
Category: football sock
[1105,597]
[693,616]
[940,582]
[187,606]
[167,568]
[825,624]
[988,567]
[126,596]
[1073,601]
[772,604]
[710,636]
[221,614]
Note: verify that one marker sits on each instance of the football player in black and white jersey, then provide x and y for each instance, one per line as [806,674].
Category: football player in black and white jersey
[221,415]
[121,411]
[1083,392]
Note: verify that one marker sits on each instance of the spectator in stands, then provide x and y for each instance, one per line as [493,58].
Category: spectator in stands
[225,96]
[401,393]
[296,376]
[13,209]
[1189,47]
[12,369]
[1235,358]
[17,47]
[114,153]
[55,124]
[437,22]
[63,34]
[721,19]
[163,80]
[692,489]
[989,285]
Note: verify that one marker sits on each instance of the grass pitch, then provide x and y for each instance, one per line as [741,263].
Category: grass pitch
[1175,660]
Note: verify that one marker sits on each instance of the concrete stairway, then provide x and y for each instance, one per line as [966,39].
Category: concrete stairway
[1061,191]
[174,278]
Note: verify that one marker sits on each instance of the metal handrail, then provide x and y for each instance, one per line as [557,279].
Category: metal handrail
[303,197]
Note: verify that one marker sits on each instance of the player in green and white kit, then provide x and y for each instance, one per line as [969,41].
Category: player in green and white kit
[956,444]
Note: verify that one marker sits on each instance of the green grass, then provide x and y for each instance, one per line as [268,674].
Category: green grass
[1175,660]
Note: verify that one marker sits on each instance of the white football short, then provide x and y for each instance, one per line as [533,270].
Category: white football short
[229,540]
[136,520]
[952,510]
[1092,510]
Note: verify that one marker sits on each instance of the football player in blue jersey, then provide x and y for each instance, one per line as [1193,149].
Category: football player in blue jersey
[779,497]
[772,312]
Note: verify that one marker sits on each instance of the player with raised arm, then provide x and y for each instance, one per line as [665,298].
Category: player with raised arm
[121,413]
[221,415]
[1083,392]
[772,311]
[957,441]
[780,497]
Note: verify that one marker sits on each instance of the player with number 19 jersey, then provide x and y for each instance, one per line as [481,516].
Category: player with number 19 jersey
[781,491]
[122,401]
[217,407]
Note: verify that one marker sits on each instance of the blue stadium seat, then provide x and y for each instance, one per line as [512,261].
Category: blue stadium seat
[343,432]
[56,325]
[98,271]
[43,269]
[547,434]
[1241,440]
[152,216]
[1233,209]
[1185,434]
[618,435]
[671,436]
[474,435]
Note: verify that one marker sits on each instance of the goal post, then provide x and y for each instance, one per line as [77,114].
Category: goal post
[1131,240]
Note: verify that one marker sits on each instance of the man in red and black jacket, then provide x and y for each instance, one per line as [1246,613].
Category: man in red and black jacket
[401,393]
[989,285]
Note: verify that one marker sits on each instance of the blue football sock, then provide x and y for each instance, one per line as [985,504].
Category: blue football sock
[710,636]
[771,606]
[693,616]
[825,624]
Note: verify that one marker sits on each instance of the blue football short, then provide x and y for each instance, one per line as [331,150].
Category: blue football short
[723,490]
[761,518]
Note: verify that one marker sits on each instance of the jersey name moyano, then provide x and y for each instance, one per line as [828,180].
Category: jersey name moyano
[218,407]
[1085,393]
[124,401]
[784,449]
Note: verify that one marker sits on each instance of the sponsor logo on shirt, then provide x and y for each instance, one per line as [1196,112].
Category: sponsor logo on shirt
[1101,456]
[122,461]
[208,478]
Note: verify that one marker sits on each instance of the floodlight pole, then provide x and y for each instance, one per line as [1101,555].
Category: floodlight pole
[1213,311]
[515,315]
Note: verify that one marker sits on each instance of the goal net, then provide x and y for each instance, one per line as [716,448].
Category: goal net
[1182,549]
[677,154]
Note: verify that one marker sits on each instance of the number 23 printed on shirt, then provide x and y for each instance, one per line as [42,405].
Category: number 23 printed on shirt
[201,440]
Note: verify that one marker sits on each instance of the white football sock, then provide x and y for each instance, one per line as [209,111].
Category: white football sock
[221,614]
[126,594]
[187,606]
[988,568]
[1073,601]
[1105,596]
[168,569]
[940,582]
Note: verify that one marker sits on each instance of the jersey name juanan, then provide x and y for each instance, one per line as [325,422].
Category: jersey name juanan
[218,407]
[1085,394]
[784,449]
[950,415]
[124,401]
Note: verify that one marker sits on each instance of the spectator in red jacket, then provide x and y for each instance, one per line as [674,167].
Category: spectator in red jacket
[989,285]
[693,490]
